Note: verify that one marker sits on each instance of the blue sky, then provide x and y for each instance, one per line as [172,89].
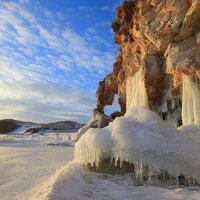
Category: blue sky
[53,54]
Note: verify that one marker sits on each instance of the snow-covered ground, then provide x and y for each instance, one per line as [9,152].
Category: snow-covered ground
[74,183]
[42,166]
[30,173]
[47,139]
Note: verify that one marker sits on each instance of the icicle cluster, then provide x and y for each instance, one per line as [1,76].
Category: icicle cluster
[141,135]
[143,138]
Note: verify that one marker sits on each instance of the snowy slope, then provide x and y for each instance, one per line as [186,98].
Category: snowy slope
[10,125]
[72,182]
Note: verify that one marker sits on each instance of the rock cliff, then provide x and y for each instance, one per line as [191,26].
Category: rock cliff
[162,39]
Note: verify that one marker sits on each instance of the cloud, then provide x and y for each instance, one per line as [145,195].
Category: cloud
[45,100]
[46,66]
[26,31]
[91,30]
[106,8]
[42,113]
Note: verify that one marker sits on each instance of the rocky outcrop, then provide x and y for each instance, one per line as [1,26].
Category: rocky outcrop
[8,125]
[163,39]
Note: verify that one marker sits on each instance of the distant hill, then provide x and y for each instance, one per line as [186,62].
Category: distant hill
[10,126]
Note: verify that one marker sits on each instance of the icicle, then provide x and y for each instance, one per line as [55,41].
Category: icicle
[191,101]
[136,92]
[164,107]
[173,104]
[173,118]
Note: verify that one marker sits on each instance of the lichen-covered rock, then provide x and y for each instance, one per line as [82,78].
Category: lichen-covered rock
[162,38]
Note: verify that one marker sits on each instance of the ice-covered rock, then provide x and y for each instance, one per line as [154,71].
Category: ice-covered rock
[99,120]
[161,40]
[142,137]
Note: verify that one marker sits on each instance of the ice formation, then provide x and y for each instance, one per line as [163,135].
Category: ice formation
[141,136]
[136,92]
[170,111]
[191,101]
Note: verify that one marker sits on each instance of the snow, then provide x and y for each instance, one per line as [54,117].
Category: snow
[76,136]
[72,182]
[136,92]
[37,139]
[192,131]
[23,128]
[191,101]
[141,136]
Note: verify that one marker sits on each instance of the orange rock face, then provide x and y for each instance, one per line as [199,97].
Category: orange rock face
[162,38]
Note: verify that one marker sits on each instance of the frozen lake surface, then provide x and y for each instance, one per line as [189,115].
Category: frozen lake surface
[23,170]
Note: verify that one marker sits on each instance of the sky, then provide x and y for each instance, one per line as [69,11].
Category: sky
[53,53]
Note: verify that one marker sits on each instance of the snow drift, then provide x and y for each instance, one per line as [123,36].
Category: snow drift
[72,182]
[141,136]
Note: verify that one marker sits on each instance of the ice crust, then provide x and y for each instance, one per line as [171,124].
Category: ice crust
[141,136]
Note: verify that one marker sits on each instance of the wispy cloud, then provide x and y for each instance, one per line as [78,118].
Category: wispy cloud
[44,63]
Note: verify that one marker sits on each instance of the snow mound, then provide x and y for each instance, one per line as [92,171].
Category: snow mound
[76,136]
[67,174]
[141,136]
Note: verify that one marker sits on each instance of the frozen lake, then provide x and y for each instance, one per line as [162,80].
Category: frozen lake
[23,170]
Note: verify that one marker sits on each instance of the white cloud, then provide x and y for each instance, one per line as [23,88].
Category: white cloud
[106,8]
[48,14]
[91,30]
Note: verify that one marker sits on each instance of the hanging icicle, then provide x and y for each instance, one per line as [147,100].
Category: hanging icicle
[191,101]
